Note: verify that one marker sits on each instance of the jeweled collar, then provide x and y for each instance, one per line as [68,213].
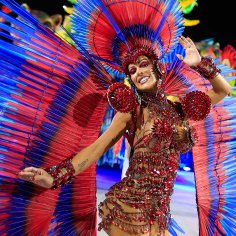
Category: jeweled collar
[159,98]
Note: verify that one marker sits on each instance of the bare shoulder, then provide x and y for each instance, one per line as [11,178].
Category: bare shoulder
[126,118]
[122,117]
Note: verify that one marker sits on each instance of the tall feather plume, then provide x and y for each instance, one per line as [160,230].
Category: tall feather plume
[112,21]
[154,23]
[167,11]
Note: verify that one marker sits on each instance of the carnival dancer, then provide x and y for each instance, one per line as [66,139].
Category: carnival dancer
[139,204]
[63,94]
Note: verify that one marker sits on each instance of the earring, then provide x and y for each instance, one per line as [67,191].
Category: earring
[138,96]
[159,69]
[137,93]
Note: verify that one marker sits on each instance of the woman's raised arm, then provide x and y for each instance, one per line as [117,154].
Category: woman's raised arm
[220,87]
[87,156]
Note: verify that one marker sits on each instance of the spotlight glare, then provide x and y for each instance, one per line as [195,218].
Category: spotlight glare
[186,168]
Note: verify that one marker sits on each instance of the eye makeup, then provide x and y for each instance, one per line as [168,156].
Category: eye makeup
[141,63]
[132,70]
[144,63]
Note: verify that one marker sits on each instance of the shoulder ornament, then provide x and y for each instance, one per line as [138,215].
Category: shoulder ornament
[121,98]
[196,105]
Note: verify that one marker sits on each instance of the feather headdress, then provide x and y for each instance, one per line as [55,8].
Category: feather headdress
[111,29]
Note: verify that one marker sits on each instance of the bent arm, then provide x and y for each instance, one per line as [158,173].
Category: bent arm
[92,153]
[220,86]
[220,89]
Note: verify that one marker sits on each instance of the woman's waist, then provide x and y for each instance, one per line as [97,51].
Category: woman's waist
[146,157]
[146,151]
[155,145]
[143,187]
[153,164]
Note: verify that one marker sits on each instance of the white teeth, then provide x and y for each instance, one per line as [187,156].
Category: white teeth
[143,80]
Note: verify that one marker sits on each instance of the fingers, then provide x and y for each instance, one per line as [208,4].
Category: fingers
[190,41]
[29,176]
[29,173]
[34,170]
[37,176]
[180,57]
[181,133]
[185,42]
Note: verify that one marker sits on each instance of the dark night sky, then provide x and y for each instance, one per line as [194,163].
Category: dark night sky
[217,19]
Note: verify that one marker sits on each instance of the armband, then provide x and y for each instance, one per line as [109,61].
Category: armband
[206,68]
[196,105]
[62,174]
[121,98]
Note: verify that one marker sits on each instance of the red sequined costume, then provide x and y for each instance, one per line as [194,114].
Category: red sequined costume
[53,100]
[142,198]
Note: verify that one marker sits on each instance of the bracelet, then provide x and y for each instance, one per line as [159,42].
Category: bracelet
[206,68]
[62,174]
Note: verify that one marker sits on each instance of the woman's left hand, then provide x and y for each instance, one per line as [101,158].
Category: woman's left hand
[192,56]
[181,133]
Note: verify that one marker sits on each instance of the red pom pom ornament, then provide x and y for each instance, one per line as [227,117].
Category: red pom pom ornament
[121,98]
[196,105]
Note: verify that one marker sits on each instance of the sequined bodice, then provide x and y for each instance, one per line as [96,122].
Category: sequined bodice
[153,167]
[159,119]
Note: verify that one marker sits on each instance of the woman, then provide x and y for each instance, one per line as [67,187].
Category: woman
[54,99]
[139,204]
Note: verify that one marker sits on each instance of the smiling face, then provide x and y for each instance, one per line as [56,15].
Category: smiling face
[142,75]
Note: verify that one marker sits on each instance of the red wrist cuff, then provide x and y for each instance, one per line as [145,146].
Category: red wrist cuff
[207,68]
[62,174]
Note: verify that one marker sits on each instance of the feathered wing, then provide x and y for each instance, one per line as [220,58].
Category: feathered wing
[52,104]
[214,160]
[214,166]
[127,24]
[214,154]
